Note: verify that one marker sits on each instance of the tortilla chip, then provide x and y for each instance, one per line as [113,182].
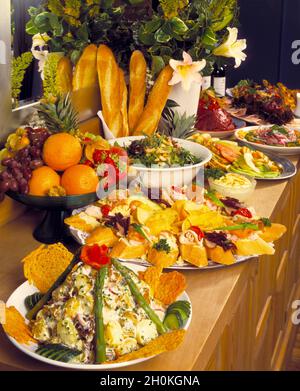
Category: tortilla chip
[164,343]
[86,224]
[151,277]
[165,287]
[45,264]
[170,286]
[16,327]
[162,221]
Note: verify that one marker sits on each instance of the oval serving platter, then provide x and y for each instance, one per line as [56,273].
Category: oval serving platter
[16,299]
[80,237]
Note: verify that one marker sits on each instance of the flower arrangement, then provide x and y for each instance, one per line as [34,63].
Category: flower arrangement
[72,24]
[197,27]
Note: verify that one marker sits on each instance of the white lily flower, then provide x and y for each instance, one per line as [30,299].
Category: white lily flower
[39,41]
[232,47]
[187,71]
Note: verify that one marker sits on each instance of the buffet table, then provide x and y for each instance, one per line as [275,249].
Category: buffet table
[241,314]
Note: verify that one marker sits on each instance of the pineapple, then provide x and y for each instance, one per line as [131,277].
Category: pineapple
[60,115]
[176,125]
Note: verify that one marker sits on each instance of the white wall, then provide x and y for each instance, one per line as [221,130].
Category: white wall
[5,58]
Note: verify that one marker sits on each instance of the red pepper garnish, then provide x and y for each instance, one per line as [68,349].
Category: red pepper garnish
[198,231]
[105,209]
[243,212]
[95,255]
[87,139]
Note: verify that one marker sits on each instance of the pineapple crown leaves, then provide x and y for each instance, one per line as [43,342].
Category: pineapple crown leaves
[176,125]
[59,116]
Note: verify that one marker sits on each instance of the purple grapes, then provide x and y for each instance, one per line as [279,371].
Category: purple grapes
[18,169]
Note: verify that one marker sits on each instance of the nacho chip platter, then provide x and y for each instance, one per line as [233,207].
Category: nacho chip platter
[80,237]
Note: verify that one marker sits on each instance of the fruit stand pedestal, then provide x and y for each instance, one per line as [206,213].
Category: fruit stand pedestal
[241,314]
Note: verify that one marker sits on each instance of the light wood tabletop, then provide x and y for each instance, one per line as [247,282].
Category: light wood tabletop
[214,294]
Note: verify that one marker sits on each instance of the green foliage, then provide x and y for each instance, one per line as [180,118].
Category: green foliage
[195,26]
[50,76]
[19,66]
[73,24]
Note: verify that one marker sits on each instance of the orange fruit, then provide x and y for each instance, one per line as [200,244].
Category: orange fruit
[61,151]
[42,180]
[79,179]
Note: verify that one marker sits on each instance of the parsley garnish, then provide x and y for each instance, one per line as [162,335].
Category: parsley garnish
[162,245]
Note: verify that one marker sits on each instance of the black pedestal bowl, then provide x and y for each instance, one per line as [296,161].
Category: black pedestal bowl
[52,228]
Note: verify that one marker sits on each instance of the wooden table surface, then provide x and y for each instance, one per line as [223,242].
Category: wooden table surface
[212,293]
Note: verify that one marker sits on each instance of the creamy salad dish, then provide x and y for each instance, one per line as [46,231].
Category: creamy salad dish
[98,311]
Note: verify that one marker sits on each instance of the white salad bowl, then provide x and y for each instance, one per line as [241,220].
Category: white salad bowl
[156,177]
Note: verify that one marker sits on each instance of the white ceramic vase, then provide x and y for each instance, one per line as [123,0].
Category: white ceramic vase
[187,100]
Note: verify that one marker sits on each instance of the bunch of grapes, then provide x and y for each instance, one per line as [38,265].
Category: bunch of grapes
[18,169]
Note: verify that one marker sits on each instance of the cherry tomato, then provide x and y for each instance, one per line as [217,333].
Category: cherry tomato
[243,212]
[105,209]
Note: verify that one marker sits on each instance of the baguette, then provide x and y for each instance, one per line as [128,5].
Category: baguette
[85,74]
[138,69]
[64,75]
[109,82]
[156,102]
[123,99]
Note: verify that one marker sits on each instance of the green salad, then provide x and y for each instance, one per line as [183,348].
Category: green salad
[159,150]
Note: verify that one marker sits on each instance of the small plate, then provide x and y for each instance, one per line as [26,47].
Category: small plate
[17,300]
[288,151]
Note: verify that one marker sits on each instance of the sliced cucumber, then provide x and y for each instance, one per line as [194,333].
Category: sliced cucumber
[57,352]
[177,314]
[30,301]
[173,321]
[184,305]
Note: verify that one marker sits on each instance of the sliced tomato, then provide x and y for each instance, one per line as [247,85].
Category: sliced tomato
[227,153]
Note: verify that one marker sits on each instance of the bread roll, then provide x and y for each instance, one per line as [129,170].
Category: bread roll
[156,102]
[137,88]
[109,82]
[124,108]
[85,74]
